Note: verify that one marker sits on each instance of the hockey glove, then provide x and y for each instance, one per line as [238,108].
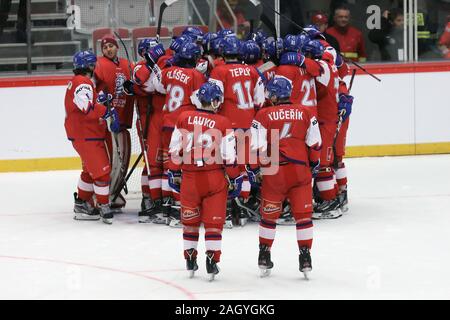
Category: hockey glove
[292,58]
[345,105]
[104,98]
[128,87]
[202,66]
[112,119]
[314,166]
[174,179]
[153,54]
[235,187]
[254,176]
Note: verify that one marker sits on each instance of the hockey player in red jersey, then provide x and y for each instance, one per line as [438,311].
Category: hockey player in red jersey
[243,93]
[179,83]
[86,128]
[300,70]
[294,128]
[327,85]
[109,76]
[150,107]
[202,153]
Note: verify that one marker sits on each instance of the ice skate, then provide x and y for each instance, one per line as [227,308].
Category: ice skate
[149,210]
[191,261]
[343,200]
[304,260]
[163,217]
[118,204]
[264,263]
[175,216]
[327,209]
[106,213]
[250,208]
[84,210]
[229,216]
[211,265]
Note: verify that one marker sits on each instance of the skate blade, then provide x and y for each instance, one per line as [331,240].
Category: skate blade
[86,217]
[306,272]
[263,273]
[160,221]
[211,277]
[191,274]
[328,215]
[145,220]
[228,225]
[175,224]
[243,221]
[107,221]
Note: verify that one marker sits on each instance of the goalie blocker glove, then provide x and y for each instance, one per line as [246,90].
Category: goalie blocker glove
[112,118]
[292,58]
[235,187]
[345,105]
[174,178]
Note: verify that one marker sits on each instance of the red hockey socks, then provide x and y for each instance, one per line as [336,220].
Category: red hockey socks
[267,231]
[304,233]
[213,240]
[190,238]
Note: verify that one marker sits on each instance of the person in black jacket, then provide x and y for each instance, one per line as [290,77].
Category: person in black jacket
[390,37]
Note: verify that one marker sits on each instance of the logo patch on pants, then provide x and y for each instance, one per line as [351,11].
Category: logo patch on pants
[271,207]
[189,213]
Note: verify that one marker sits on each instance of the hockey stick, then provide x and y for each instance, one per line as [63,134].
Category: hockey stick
[162,7]
[142,138]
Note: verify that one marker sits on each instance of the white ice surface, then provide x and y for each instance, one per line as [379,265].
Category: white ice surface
[393,243]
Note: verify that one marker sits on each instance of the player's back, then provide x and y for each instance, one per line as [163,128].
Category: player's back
[204,139]
[243,90]
[291,122]
[303,85]
[327,93]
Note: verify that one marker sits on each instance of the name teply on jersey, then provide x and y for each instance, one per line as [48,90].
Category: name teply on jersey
[201,121]
[285,115]
[237,72]
[179,75]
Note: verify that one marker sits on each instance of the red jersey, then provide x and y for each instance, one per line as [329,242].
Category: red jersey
[203,141]
[298,133]
[109,76]
[303,85]
[243,90]
[83,115]
[180,85]
[351,42]
[444,40]
[327,93]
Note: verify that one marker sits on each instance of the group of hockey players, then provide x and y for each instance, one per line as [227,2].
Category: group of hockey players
[215,116]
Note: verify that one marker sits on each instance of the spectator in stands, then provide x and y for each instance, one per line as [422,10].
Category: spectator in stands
[243,26]
[390,37]
[321,21]
[351,40]
[444,40]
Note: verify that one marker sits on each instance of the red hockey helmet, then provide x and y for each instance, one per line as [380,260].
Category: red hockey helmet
[319,18]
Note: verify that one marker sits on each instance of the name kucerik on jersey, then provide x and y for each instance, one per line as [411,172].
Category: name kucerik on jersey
[285,115]
[179,75]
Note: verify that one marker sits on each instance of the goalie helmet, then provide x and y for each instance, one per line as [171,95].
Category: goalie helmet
[145,44]
[279,87]
[84,60]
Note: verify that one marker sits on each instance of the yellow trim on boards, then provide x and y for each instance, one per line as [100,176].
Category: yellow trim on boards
[74,163]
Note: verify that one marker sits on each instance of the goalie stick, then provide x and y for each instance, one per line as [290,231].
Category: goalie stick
[142,137]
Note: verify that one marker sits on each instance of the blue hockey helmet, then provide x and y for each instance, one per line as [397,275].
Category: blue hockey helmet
[194,33]
[292,43]
[230,46]
[207,40]
[224,33]
[210,93]
[188,51]
[272,48]
[313,48]
[313,31]
[84,60]
[145,44]
[249,51]
[279,87]
[260,36]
